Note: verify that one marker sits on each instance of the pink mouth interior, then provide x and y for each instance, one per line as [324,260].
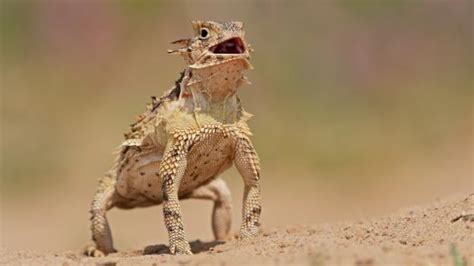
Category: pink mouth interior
[231,46]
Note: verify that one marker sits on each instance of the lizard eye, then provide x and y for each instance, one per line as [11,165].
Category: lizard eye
[203,33]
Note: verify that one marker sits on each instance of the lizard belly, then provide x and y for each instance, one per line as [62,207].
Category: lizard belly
[139,182]
[206,160]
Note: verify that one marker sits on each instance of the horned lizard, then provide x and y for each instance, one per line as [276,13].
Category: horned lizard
[184,140]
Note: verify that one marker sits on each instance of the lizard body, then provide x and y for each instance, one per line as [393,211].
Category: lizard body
[184,140]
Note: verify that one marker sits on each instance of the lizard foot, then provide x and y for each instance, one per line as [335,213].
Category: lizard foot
[180,247]
[92,251]
[248,233]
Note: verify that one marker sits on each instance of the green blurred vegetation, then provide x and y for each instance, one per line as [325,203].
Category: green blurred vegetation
[342,90]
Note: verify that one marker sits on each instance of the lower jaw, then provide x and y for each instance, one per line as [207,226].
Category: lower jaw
[247,64]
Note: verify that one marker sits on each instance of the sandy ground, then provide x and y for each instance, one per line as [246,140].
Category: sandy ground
[440,233]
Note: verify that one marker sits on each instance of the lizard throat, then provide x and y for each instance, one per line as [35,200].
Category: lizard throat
[218,82]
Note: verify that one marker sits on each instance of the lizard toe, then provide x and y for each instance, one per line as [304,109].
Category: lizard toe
[92,251]
[181,248]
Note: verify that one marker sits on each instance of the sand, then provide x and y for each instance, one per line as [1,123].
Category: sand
[441,233]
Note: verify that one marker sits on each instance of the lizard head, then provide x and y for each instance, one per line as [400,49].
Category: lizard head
[214,43]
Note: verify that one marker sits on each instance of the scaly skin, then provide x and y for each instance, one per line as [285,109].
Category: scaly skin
[184,141]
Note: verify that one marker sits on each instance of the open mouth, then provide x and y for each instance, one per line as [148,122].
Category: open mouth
[231,46]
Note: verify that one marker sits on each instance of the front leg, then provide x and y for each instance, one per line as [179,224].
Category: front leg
[172,168]
[247,163]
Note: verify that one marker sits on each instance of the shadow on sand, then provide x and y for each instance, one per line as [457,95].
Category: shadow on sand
[197,246]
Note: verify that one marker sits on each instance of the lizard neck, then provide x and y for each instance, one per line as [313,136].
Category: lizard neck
[213,90]
[225,111]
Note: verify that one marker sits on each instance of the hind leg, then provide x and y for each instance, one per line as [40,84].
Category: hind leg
[101,234]
[218,192]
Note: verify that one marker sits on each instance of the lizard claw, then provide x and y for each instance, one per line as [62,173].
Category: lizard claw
[180,247]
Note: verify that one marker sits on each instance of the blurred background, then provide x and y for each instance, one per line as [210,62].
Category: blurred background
[361,107]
